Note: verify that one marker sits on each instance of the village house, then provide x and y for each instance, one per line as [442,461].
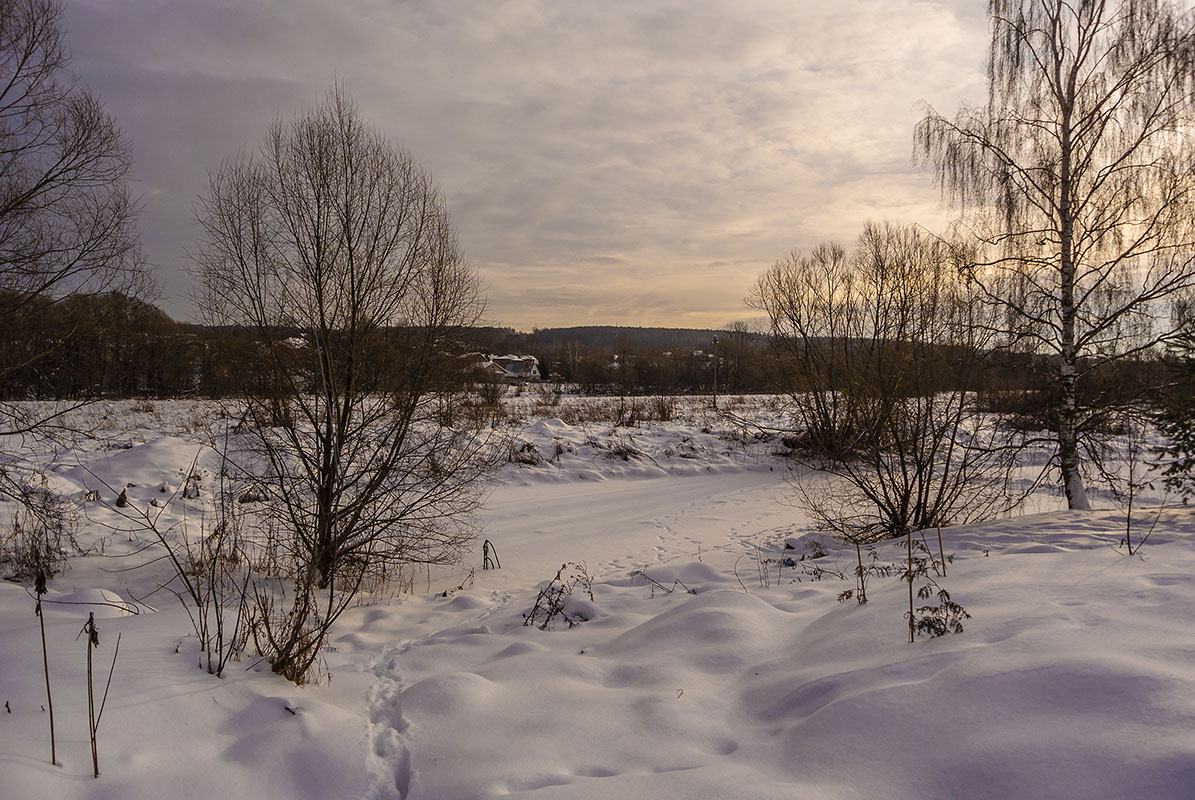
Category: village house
[509,367]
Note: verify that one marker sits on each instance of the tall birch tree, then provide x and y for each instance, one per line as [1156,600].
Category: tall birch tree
[1076,178]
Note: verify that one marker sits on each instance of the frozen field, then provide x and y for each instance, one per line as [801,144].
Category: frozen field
[702,667]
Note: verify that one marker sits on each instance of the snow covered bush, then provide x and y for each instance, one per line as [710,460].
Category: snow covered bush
[555,601]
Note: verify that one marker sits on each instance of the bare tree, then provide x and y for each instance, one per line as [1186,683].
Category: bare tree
[1077,178]
[334,248]
[882,348]
[739,350]
[66,218]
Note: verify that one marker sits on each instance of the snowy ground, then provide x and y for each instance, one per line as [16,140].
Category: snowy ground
[694,674]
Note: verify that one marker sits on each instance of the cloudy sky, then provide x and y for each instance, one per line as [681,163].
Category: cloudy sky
[627,162]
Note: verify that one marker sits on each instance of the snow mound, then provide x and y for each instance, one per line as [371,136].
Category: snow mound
[721,629]
[101,602]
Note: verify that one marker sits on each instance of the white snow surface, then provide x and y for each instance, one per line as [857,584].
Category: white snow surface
[702,667]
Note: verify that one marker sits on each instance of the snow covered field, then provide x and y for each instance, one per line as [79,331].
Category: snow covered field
[702,667]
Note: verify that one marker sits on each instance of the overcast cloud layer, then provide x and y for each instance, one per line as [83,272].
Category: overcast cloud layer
[633,162]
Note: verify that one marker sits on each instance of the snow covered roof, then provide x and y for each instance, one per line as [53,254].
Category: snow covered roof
[518,366]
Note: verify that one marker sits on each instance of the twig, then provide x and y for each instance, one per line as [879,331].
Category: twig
[111,669]
[941,552]
[41,588]
[736,573]
[122,606]
[93,640]
[912,618]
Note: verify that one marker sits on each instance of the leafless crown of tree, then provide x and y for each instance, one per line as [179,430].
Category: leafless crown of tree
[66,217]
[67,221]
[334,248]
[883,346]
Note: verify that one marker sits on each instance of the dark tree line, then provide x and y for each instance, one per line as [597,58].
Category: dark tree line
[1175,417]
[97,346]
[608,336]
[619,360]
[129,348]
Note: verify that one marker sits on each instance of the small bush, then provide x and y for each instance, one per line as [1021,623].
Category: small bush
[490,392]
[38,539]
[524,453]
[552,602]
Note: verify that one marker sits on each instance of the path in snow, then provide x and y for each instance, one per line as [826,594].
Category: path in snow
[614,527]
[621,525]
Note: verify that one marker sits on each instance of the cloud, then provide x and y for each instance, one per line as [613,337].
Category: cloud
[596,155]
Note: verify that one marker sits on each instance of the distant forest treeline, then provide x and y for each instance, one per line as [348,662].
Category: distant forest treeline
[111,346]
[608,337]
[610,359]
[114,346]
